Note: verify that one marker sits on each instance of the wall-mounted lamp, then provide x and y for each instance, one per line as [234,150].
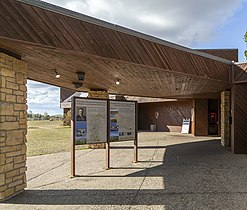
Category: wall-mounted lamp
[80,75]
[77,84]
[117,82]
[57,75]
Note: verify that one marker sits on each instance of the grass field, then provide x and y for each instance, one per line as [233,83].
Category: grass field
[45,137]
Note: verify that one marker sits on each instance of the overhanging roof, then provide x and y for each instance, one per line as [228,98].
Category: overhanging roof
[48,37]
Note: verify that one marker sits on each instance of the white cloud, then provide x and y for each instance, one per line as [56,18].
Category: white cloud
[184,22]
[42,97]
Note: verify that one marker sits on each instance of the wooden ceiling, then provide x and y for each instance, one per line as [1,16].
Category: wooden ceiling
[48,38]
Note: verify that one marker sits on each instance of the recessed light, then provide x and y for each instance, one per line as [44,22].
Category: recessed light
[57,75]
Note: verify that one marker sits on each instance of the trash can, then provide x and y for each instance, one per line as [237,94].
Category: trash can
[152,127]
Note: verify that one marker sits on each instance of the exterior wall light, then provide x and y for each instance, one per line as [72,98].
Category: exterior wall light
[80,75]
[118,82]
[77,84]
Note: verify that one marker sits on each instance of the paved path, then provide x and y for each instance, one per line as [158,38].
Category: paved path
[175,172]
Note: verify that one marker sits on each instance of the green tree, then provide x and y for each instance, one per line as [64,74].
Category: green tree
[30,114]
[46,116]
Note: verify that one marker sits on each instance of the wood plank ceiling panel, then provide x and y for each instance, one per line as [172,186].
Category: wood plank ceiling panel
[47,40]
[91,36]
[102,73]
[97,67]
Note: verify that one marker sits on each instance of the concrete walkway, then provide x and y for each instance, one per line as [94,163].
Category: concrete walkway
[175,172]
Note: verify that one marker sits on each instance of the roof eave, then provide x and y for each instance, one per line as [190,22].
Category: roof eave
[82,17]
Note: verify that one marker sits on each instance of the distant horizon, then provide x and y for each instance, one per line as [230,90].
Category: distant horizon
[42,113]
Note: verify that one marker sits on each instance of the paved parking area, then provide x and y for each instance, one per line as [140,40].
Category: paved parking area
[174,172]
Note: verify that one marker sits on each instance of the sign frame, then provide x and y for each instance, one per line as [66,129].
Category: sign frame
[73,106]
[135,120]
[136,128]
[108,124]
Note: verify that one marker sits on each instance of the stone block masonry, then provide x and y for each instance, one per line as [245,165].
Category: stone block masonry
[13,126]
[225,116]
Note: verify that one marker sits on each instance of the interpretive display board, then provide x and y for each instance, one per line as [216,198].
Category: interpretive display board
[102,121]
[122,120]
[90,121]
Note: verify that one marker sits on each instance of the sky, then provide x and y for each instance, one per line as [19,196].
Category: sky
[208,24]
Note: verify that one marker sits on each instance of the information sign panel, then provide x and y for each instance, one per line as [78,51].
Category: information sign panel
[122,120]
[90,120]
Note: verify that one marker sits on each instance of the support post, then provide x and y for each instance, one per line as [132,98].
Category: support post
[13,126]
[225,118]
[107,155]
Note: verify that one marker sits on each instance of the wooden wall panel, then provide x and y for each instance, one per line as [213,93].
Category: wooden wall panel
[201,117]
[170,115]
[239,132]
[240,73]
[229,54]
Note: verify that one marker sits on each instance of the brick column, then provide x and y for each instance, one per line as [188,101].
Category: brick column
[103,95]
[225,115]
[13,127]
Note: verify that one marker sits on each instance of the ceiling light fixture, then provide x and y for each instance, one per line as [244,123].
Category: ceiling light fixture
[77,84]
[80,75]
[118,82]
[57,75]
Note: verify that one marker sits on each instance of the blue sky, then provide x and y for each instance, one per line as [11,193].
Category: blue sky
[200,24]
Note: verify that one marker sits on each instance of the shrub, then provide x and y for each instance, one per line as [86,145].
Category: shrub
[67,119]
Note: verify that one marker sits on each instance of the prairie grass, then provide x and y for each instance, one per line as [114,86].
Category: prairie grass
[46,137]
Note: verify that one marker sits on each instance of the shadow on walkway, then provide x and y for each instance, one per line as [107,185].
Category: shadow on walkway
[195,175]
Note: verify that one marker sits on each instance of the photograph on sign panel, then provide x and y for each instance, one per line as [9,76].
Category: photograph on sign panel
[81,114]
[81,126]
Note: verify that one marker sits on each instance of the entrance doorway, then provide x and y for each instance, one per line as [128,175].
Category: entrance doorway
[213,116]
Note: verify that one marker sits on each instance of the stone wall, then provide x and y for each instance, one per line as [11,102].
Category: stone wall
[225,115]
[13,126]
